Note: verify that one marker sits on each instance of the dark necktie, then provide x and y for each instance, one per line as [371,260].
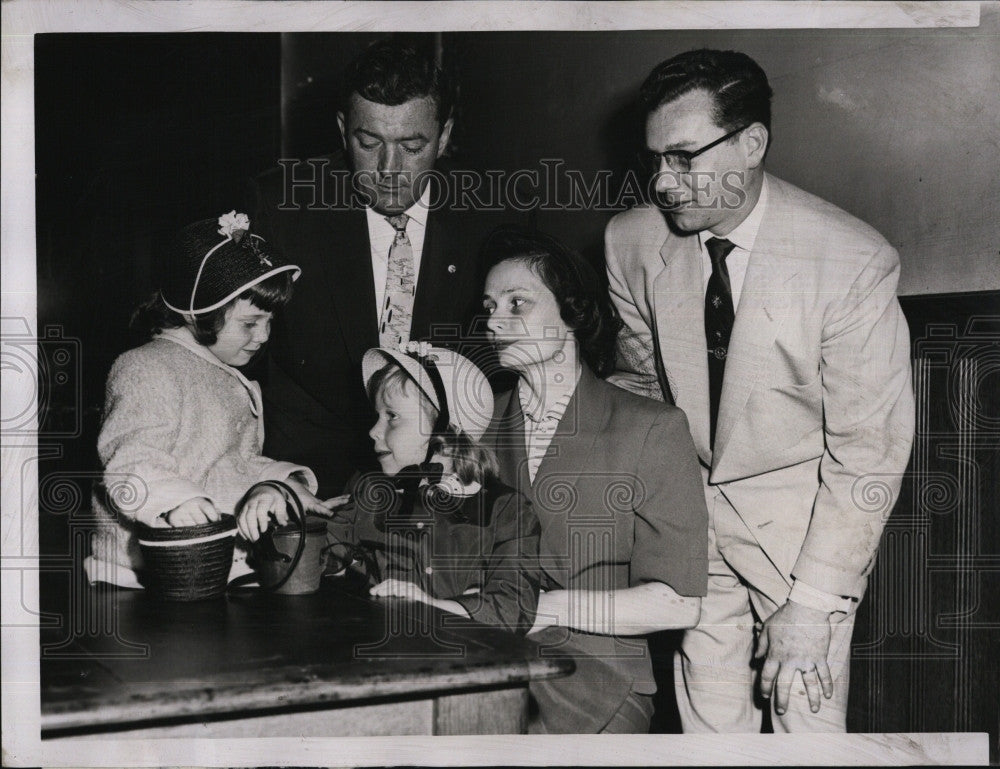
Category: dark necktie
[719,317]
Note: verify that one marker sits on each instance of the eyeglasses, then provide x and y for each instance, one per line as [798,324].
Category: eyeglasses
[679,160]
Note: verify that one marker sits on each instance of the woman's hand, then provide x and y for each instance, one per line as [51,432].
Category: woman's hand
[646,608]
[193,512]
[258,508]
[397,588]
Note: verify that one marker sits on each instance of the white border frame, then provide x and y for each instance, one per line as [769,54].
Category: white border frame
[21,20]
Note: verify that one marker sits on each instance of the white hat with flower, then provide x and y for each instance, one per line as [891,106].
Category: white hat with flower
[468,395]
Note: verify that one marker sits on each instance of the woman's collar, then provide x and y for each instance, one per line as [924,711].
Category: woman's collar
[538,398]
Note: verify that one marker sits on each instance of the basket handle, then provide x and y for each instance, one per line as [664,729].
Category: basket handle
[298,513]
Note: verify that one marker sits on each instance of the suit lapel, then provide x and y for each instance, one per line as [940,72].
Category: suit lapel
[351,282]
[438,281]
[679,307]
[571,446]
[432,279]
[509,443]
[764,302]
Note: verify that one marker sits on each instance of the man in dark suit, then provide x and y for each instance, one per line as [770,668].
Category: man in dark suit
[392,260]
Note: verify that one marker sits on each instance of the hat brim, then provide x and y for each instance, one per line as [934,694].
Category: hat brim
[470,398]
[235,293]
[377,358]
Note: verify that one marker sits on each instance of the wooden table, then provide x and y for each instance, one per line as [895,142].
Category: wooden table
[334,663]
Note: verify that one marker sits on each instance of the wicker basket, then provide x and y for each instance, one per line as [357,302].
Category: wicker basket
[188,563]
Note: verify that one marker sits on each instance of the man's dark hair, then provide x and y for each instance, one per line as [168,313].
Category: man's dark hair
[393,72]
[584,304]
[739,85]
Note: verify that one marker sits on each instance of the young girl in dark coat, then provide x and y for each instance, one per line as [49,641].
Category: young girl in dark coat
[436,525]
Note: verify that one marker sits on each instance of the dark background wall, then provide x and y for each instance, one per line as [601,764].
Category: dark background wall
[138,134]
[899,127]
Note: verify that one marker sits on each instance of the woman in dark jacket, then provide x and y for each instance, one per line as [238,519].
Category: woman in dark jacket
[613,478]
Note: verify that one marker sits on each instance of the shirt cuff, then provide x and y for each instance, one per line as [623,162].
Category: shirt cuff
[814,598]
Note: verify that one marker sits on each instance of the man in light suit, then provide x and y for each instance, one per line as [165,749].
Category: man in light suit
[770,317]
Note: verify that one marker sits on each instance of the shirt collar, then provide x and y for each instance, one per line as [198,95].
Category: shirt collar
[531,405]
[454,486]
[417,212]
[745,233]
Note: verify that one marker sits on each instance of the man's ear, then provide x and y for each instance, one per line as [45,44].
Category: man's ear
[343,128]
[445,135]
[755,137]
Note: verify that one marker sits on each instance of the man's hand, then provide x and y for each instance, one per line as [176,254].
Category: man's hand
[193,512]
[795,638]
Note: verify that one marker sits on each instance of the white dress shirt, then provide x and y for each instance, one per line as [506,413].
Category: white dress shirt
[381,235]
[743,237]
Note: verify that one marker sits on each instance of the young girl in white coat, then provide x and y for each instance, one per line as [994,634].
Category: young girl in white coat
[181,437]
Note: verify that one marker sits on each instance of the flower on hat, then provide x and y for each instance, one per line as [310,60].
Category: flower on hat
[418,349]
[254,248]
[232,223]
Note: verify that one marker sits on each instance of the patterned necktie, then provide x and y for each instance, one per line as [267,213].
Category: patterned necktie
[400,283]
[719,317]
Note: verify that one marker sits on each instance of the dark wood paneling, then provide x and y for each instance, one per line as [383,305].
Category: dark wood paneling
[924,656]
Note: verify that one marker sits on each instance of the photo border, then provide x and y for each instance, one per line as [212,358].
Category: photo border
[24,18]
